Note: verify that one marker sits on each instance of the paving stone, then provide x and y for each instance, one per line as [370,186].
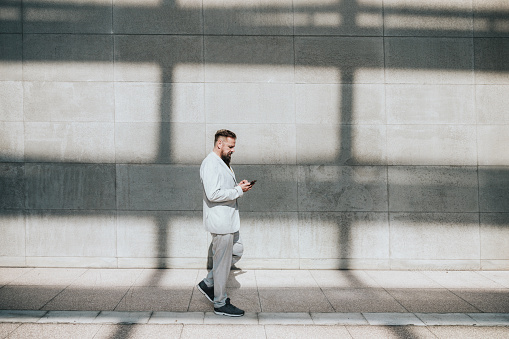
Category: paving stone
[222,331]
[471,332]
[113,317]
[430,319]
[156,299]
[491,319]
[7,328]
[390,332]
[176,318]
[392,319]
[55,331]
[294,300]
[139,331]
[308,331]
[76,317]
[27,297]
[431,301]
[247,319]
[338,319]
[87,299]
[285,318]
[362,300]
[17,316]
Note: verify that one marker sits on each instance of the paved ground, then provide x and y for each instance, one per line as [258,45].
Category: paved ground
[146,303]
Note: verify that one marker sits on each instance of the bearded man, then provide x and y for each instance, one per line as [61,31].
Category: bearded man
[221,219]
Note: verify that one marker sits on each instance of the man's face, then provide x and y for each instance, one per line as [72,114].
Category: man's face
[227,148]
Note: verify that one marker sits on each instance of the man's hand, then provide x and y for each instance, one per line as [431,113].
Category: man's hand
[245,185]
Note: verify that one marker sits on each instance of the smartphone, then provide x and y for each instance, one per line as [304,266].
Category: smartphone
[252,182]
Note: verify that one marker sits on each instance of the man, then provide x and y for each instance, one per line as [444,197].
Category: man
[221,219]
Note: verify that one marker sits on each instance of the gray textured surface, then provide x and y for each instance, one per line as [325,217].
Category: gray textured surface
[377,131]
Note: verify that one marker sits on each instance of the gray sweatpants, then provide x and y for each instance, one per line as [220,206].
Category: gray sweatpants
[227,249]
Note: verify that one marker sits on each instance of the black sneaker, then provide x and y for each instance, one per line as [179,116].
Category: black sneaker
[207,291]
[229,310]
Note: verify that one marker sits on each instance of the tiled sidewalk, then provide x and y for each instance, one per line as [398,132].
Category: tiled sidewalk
[102,302]
[256,291]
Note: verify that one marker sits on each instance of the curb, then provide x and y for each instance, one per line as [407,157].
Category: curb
[262,318]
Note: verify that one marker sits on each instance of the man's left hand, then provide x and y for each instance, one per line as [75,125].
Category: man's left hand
[245,185]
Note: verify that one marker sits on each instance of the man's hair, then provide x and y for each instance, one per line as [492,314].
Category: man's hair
[224,133]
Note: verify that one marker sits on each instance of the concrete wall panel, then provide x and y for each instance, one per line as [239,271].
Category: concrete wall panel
[159,187]
[412,60]
[440,18]
[12,228]
[434,236]
[61,261]
[491,102]
[491,62]
[253,140]
[345,60]
[71,16]
[274,191]
[248,17]
[341,144]
[333,104]
[70,141]
[11,67]
[158,234]
[275,235]
[67,57]
[242,103]
[493,188]
[345,264]
[172,58]
[436,264]
[245,59]
[494,233]
[157,17]
[359,18]
[431,145]
[432,189]
[68,101]
[71,234]
[146,102]
[490,18]
[11,104]
[492,145]
[430,104]
[343,235]
[186,143]
[12,184]
[161,143]
[11,22]
[70,186]
[342,188]
[141,142]
[12,141]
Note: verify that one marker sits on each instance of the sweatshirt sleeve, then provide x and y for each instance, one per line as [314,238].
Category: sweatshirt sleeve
[211,180]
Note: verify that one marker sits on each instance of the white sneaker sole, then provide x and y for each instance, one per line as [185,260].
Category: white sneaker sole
[228,314]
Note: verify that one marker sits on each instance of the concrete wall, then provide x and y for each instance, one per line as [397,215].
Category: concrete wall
[377,131]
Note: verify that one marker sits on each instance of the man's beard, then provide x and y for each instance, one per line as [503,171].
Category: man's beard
[227,158]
